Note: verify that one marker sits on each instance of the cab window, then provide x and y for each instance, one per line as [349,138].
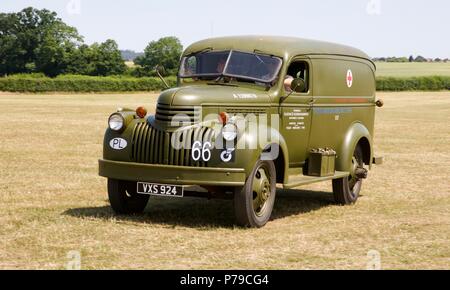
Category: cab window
[299,69]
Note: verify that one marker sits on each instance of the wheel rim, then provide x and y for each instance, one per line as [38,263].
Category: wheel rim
[261,188]
[354,182]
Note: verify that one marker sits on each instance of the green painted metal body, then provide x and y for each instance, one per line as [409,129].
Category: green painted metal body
[334,115]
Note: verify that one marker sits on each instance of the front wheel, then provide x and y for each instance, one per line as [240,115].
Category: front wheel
[253,203]
[124,198]
[346,190]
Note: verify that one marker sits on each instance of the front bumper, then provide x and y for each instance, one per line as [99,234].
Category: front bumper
[166,174]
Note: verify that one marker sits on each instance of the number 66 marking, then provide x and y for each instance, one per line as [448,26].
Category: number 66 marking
[200,151]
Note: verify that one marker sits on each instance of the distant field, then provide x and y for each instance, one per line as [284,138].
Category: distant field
[52,200]
[392,69]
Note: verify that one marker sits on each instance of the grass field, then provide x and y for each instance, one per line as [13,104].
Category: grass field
[53,202]
[415,69]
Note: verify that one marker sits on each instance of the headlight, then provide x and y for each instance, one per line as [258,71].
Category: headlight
[116,122]
[229,132]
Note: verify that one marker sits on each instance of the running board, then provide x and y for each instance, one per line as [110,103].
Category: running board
[299,180]
[378,160]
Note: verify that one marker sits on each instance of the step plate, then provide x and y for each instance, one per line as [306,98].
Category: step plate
[299,180]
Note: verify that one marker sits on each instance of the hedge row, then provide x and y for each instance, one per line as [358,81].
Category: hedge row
[431,83]
[74,83]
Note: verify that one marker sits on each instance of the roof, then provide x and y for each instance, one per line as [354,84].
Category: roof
[276,45]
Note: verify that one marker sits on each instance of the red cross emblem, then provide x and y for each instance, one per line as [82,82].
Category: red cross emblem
[349,78]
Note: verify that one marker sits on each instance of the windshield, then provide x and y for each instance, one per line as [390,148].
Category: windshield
[240,65]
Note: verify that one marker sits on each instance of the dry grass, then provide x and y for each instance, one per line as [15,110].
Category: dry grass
[52,201]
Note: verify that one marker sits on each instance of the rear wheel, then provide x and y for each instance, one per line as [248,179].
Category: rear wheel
[346,190]
[124,198]
[253,203]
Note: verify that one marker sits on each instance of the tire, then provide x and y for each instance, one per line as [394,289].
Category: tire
[346,190]
[253,203]
[124,198]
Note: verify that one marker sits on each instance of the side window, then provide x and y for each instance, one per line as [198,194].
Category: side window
[299,69]
[190,65]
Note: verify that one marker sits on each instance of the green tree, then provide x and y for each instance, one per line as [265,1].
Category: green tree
[102,59]
[52,56]
[420,59]
[166,51]
[10,48]
[35,40]
[107,59]
[80,61]
[397,59]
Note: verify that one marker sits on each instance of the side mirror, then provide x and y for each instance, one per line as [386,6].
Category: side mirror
[160,71]
[298,85]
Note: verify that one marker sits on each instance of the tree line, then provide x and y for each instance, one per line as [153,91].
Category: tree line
[411,58]
[37,41]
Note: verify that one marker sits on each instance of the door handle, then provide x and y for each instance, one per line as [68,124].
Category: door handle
[311,103]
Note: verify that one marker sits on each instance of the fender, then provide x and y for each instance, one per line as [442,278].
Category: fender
[345,153]
[270,150]
[110,153]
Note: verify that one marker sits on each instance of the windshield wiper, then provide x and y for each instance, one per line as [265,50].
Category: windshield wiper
[217,81]
[220,78]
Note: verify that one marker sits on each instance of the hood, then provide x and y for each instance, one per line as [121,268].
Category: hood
[212,94]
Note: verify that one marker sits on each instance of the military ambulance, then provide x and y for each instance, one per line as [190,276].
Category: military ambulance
[248,113]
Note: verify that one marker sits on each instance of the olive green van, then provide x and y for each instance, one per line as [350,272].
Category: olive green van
[248,113]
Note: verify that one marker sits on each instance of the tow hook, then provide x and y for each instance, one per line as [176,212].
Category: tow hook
[361,173]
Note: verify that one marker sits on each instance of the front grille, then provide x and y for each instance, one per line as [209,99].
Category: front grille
[188,115]
[152,146]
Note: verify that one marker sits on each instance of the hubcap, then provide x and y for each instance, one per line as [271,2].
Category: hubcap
[261,191]
[354,179]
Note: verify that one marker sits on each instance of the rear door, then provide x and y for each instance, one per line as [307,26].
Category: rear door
[343,95]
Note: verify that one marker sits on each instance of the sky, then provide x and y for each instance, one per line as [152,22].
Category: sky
[378,27]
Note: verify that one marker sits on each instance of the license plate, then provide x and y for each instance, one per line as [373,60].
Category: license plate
[159,189]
